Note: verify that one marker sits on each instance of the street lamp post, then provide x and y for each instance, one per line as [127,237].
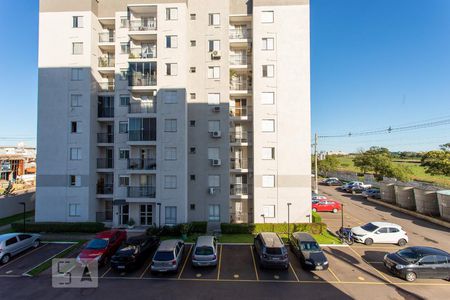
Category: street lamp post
[159,214]
[24,213]
[264,218]
[342,217]
[288,205]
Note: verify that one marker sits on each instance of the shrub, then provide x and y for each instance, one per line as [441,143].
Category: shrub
[199,227]
[316,218]
[236,228]
[314,228]
[85,227]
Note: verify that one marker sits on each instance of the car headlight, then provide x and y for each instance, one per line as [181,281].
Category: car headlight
[308,262]
[325,263]
[399,267]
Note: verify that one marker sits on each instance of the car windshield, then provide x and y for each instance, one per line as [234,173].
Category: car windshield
[274,251]
[96,244]
[309,246]
[409,255]
[369,227]
[204,250]
[163,256]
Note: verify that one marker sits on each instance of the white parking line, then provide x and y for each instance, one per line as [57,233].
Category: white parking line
[26,273]
[26,254]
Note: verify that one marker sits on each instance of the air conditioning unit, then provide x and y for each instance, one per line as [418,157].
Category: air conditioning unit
[215,162]
[216,134]
[216,109]
[211,190]
[215,54]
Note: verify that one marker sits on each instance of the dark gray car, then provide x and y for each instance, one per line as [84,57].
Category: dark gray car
[12,244]
[271,250]
[306,248]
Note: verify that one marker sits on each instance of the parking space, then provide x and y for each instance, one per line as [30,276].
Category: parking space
[191,272]
[308,275]
[238,263]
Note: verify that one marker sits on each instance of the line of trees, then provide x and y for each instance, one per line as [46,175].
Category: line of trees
[437,162]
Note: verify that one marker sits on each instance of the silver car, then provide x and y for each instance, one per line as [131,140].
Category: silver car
[205,252]
[168,257]
[12,244]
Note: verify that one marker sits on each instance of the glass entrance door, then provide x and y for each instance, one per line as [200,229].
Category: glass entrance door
[124,214]
[146,214]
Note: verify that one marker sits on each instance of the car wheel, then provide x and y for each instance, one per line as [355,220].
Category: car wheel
[368,242]
[410,276]
[36,243]
[335,210]
[5,259]
[401,242]
[314,210]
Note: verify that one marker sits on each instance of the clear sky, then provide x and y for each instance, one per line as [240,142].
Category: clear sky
[374,64]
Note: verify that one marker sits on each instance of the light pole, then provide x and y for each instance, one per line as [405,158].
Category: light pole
[342,217]
[264,218]
[288,205]
[24,213]
[159,214]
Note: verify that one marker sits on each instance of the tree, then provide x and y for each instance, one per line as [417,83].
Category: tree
[437,162]
[9,189]
[330,163]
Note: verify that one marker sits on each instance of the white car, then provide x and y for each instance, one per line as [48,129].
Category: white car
[380,232]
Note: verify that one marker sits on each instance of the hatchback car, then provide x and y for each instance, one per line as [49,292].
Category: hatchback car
[419,262]
[102,247]
[12,244]
[306,248]
[333,182]
[135,251]
[373,193]
[326,205]
[168,256]
[380,232]
[205,252]
[271,250]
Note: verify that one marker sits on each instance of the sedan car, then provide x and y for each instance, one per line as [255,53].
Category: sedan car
[102,247]
[135,251]
[372,193]
[380,232]
[326,205]
[419,262]
[305,247]
[12,244]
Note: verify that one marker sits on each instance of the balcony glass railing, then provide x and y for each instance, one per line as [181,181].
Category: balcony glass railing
[142,24]
[106,86]
[240,111]
[240,137]
[106,112]
[106,37]
[146,107]
[239,189]
[105,163]
[105,189]
[241,85]
[142,53]
[142,164]
[105,138]
[240,33]
[239,163]
[141,135]
[104,216]
[141,191]
[238,59]
[106,62]
[142,80]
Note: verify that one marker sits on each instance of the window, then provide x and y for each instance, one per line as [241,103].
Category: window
[213,45]
[267,98]
[170,97]
[393,230]
[268,125]
[269,211]
[193,96]
[192,206]
[267,16]
[171,69]
[77,22]
[268,181]
[428,260]
[124,154]
[74,210]
[267,44]
[213,72]
[75,153]
[77,48]
[171,41]
[171,215]
[124,100]
[268,153]
[123,22]
[170,153]
[192,150]
[440,259]
[125,48]
[75,100]
[193,16]
[124,181]
[214,212]
[123,74]
[268,70]
[214,19]
[381,230]
[170,125]
[192,177]
[192,69]
[123,127]
[213,153]
[213,126]
[214,180]
[76,74]
[213,98]
[75,180]
[75,127]
[192,123]
[171,13]
[193,43]
[170,182]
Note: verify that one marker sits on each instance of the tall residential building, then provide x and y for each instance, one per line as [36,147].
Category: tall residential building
[170,111]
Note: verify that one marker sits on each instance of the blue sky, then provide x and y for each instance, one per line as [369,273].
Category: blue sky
[374,64]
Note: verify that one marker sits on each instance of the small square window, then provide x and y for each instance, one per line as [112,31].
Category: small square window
[123,22]
[77,22]
[75,100]
[269,211]
[213,98]
[170,182]
[192,150]
[213,45]
[192,206]
[192,123]
[76,74]
[171,41]
[267,98]
[267,16]
[75,127]
[170,153]
[268,71]
[124,100]
[123,127]
[75,153]
[77,48]
[171,69]
[171,13]
[192,177]
[124,181]
[268,181]
[74,210]
[193,96]
[193,43]
[214,72]
[268,44]
[74,180]
[192,69]
[125,48]
[268,125]
[170,125]
[124,153]
[193,16]
[214,19]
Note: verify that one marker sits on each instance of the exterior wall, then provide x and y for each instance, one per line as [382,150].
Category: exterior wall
[387,191]
[404,197]
[426,202]
[11,205]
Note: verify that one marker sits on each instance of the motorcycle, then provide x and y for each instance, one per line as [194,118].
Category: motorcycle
[346,235]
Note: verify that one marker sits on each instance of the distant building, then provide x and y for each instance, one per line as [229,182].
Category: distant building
[16,161]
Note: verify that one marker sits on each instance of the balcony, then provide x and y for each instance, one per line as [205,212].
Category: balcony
[240,34]
[239,189]
[105,138]
[142,53]
[106,62]
[105,189]
[105,163]
[106,37]
[104,216]
[141,191]
[146,107]
[240,138]
[138,80]
[241,86]
[141,135]
[141,164]
[106,87]
[239,164]
[144,24]
[106,112]
[240,112]
[239,60]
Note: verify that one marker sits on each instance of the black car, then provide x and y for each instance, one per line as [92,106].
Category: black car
[308,251]
[133,254]
[419,262]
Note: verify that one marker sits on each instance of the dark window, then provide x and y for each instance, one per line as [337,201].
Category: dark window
[192,177]
[369,227]
[192,123]
[393,230]
[163,256]
[193,43]
[441,259]
[383,230]
[193,96]
[192,206]
[11,241]
[204,250]
[23,237]
[274,251]
[428,260]
[74,127]
[193,16]
[192,150]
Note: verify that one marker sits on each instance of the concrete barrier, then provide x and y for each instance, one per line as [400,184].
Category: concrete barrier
[444,204]
[404,196]
[10,205]
[387,191]
[426,201]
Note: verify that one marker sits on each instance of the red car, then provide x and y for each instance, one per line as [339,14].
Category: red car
[102,247]
[326,205]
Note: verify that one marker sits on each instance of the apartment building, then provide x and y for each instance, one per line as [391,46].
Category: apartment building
[171,111]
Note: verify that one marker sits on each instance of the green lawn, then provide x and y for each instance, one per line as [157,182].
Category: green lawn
[16,218]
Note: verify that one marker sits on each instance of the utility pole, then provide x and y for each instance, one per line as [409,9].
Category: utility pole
[316,178]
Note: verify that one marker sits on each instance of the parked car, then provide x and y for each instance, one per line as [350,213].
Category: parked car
[12,244]
[168,256]
[380,232]
[324,181]
[319,197]
[359,187]
[102,247]
[419,262]
[271,250]
[205,252]
[326,205]
[133,254]
[373,193]
[333,182]
[306,248]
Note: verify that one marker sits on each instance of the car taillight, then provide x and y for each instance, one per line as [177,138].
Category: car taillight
[174,262]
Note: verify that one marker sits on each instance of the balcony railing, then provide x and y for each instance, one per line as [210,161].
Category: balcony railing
[142,80]
[105,189]
[105,163]
[106,62]
[240,85]
[107,138]
[238,59]
[239,189]
[240,33]
[106,37]
[240,111]
[104,216]
[141,135]
[141,191]
[142,25]
[239,163]
[240,137]
[106,86]
[146,107]
[142,164]
[106,112]
[142,53]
